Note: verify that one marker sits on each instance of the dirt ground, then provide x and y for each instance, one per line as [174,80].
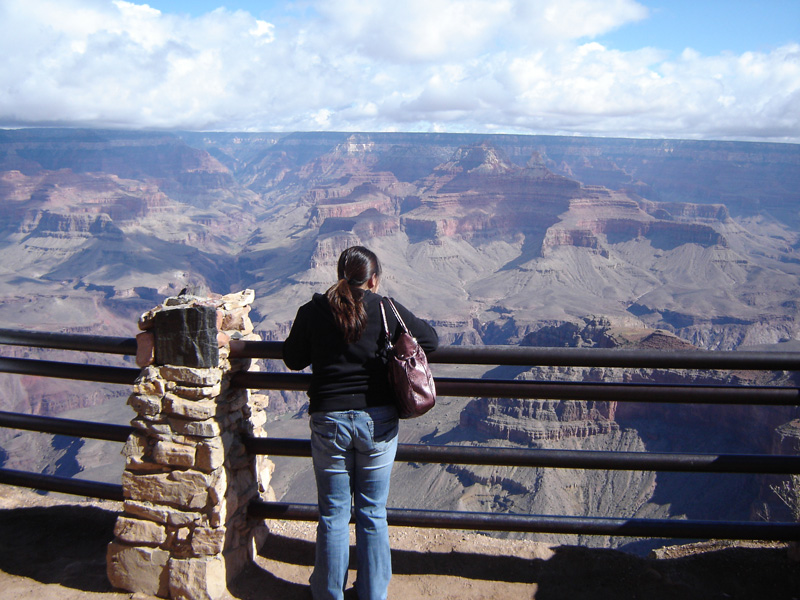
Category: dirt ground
[52,547]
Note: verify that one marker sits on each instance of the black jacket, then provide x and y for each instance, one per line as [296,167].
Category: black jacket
[348,376]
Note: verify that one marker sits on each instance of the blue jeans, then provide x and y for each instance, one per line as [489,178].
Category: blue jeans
[353,453]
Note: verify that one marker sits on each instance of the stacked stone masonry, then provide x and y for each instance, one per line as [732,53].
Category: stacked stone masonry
[184,532]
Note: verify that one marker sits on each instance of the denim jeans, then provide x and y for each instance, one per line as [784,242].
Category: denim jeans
[353,453]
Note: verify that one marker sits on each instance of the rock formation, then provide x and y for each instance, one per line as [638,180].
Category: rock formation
[513,216]
[527,422]
[496,239]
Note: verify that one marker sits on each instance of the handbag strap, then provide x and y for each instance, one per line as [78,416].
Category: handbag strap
[396,314]
[386,324]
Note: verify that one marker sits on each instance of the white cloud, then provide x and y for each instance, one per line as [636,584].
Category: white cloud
[588,18]
[412,30]
[420,65]
[264,32]
[432,31]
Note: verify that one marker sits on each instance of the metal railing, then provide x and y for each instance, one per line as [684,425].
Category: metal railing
[517,356]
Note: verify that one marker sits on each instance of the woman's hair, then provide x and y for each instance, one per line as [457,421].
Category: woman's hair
[356,266]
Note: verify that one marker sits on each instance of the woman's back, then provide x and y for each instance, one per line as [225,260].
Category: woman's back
[347,375]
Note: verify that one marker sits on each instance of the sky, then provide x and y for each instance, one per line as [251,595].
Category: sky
[702,69]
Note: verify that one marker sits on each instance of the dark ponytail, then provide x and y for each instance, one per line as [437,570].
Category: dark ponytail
[356,266]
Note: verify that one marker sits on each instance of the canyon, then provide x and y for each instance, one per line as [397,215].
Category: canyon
[496,239]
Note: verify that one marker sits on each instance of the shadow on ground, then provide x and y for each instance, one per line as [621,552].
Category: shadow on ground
[405,562]
[573,572]
[67,545]
[58,544]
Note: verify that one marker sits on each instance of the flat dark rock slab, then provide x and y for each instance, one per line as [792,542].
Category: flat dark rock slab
[187,337]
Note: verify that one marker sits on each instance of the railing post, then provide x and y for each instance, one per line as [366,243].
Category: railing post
[184,531]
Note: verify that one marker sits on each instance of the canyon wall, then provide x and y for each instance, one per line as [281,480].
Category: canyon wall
[496,239]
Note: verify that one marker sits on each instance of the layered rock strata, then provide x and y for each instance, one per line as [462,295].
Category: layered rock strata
[184,531]
[529,422]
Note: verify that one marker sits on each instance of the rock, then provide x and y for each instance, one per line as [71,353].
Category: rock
[200,377]
[260,401]
[146,406]
[209,457]
[238,400]
[184,489]
[207,428]
[208,540]
[138,531]
[196,410]
[238,300]
[160,513]
[135,445]
[264,468]
[237,319]
[197,578]
[145,349]
[199,392]
[257,419]
[138,569]
[187,337]
[176,455]
[156,428]
[223,339]
[534,421]
[150,383]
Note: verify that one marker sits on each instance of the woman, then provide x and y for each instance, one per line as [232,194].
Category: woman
[353,421]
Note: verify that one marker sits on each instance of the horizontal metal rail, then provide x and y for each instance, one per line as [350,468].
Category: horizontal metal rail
[64,370]
[449,386]
[561,459]
[620,392]
[657,528]
[63,485]
[59,426]
[617,357]
[562,390]
[580,357]
[476,355]
[513,457]
[69,341]
[459,520]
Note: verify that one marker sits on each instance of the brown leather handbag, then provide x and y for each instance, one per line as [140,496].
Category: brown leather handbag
[409,374]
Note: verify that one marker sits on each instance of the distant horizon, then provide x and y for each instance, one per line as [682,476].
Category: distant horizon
[365,132]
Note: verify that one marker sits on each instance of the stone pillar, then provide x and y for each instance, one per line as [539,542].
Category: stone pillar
[184,531]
